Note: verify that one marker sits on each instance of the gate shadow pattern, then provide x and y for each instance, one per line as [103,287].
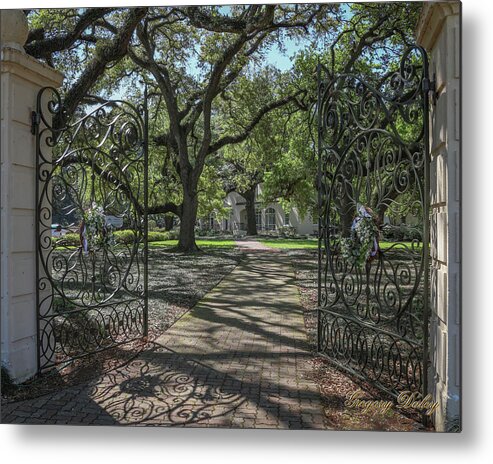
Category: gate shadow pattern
[166,388]
[240,358]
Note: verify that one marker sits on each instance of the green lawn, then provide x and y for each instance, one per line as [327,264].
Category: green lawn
[312,243]
[386,245]
[203,243]
[283,243]
[290,243]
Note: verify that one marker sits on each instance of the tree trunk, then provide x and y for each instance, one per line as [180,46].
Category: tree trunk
[249,196]
[186,239]
[168,222]
[347,213]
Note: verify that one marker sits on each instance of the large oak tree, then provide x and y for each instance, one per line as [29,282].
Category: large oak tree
[223,45]
[193,58]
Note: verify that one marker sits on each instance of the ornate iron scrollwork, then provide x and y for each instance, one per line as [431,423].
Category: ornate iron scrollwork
[91,176]
[373,153]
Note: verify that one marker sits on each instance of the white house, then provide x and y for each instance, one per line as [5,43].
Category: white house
[270,218]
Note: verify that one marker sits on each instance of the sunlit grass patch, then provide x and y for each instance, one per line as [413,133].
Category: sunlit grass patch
[215,243]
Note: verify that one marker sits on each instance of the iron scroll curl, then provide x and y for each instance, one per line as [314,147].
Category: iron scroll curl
[373,151]
[89,301]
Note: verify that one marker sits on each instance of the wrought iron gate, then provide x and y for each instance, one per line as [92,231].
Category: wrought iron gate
[374,223]
[91,195]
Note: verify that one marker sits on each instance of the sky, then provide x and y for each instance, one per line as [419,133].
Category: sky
[274,57]
[283,60]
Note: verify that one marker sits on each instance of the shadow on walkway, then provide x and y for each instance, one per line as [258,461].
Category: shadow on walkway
[238,359]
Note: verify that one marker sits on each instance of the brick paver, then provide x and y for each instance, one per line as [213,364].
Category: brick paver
[238,359]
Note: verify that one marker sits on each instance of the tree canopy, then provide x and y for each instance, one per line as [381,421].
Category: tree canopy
[219,104]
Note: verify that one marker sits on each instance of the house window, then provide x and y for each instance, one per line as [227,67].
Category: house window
[270,219]
[258,218]
[286,219]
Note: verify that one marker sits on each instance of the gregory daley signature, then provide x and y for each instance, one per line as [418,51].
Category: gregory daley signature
[405,400]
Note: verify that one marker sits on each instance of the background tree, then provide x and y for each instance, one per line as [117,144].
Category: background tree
[291,177]
[369,42]
[222,45]
[192,56]
[246,163]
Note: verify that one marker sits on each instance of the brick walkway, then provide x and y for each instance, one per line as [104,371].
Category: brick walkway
[238,359]
[253,245]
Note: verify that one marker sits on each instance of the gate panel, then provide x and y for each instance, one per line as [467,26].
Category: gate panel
[374,224]
[91,227]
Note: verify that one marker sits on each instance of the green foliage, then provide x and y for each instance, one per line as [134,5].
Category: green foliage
[67,240]
[208,232]
[402,233]
[290,179]
[211,194]
[96,233]
[57,22]
[158,236]
[173,234]
[279,150]
[126,236]
[286,231]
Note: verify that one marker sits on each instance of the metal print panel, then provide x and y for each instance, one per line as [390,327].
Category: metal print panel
[242,216]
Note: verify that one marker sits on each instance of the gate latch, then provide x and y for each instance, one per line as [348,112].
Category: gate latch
[35,120]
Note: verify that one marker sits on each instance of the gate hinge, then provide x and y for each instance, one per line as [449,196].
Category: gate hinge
[35,120]
[430,86]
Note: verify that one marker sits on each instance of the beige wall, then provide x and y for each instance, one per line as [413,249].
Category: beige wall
[21,78]
[439,32]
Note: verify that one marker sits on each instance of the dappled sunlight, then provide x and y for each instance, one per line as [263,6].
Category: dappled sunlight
[239,358]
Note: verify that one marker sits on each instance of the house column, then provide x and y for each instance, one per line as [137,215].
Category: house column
[21,78]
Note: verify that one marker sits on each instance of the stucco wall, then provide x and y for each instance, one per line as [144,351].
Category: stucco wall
[302,225]
[439,32]
[21,78]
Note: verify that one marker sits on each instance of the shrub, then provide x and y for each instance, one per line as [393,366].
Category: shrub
[124,236]
[128,236]
[155,236]
[401,233]
[152,224]
[67,240]
[286,231]
[201,232]
[173,234]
